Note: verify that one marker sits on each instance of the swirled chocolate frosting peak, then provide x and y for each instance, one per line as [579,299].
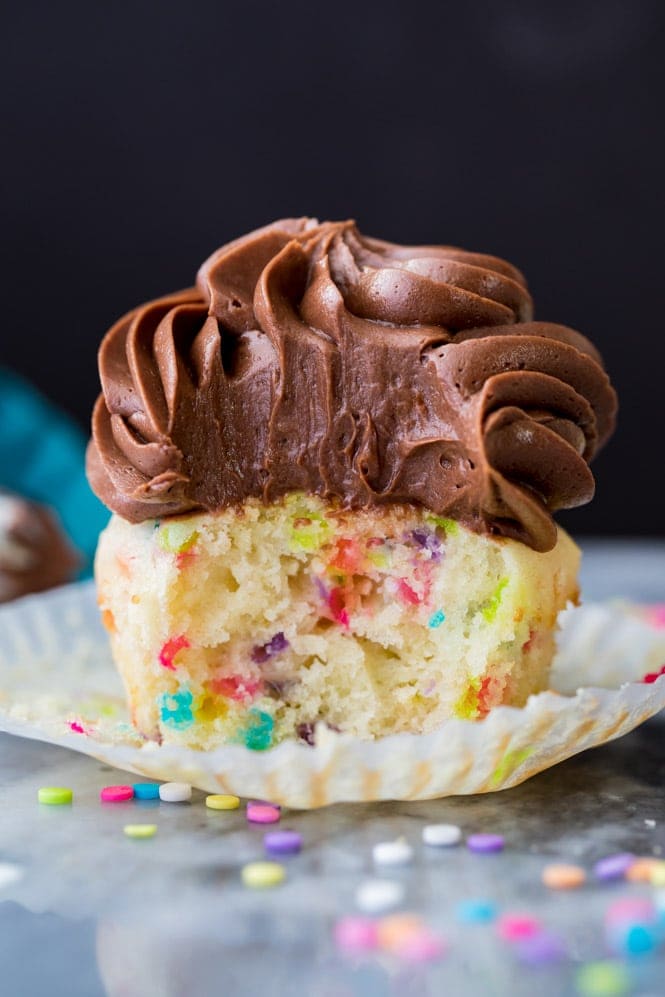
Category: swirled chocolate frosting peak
[311,358]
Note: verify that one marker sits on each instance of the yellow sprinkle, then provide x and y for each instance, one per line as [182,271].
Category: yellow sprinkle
[657,876]
[140,830]
[259,875]
[222,801]
[563,877]
[643,869]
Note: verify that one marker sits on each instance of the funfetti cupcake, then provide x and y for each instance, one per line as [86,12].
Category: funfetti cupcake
[333,466]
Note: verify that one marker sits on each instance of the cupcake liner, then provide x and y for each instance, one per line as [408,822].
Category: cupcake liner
[58,684]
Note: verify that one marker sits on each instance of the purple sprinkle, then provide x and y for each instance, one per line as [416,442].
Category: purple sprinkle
[428,541]
[282,842]
[614,866]
[485,843]
[541,949]
[262,652]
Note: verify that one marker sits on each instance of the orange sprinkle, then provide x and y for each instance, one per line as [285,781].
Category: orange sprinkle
[108,621]
[642,870]
[394,931]
[563,877]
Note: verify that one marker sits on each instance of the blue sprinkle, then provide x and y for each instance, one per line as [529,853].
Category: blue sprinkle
[258,734]
[146,790]
[436,619]
[476,911]
[176,709]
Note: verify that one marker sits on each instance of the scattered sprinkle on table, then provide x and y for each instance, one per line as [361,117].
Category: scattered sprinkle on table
[146,790]
[261,875]
[630,909]
[116,794]
[602,979]
[476,911]
[262,813]
[9,873]
[377,895]
[175,792]
[424,946]
[222,801]
[55,796]
[657,877]
[641,870]
[397,852]
[282,842]
[393,931]
[485,844]
[356,934]
[541,949]
[632,938]
[140,830]
[515,927]
[558,876]
[613,866]
[442,835]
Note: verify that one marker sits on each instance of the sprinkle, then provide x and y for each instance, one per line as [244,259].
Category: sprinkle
[306,733]
[177,538]
[485,843]
[427,541]
[236,687]
[541,949]
[397,852]
[54,796]
[170,649]
[146,790]
[116,794]
[222,801]
[262,813]
[630,909]
[515,927]
[377,895]
[176,709]
[258,735]
[346,557]
[261,875]
[602,979]
[436,619]
[491,608]
[651,677]
[476,911]
[442,835]
[650,823]
[282,842]
[613,866]
[140,831]
[642,870]
[424,946]
[408,595]
[633,938]
[263,652]
[175,792]
[450,526]
[356,934]
[9,874]
[76,727]
[393,931]
[657,877]
[337,606]
[559,876]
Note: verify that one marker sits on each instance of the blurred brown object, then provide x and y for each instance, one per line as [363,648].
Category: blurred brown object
[34,553]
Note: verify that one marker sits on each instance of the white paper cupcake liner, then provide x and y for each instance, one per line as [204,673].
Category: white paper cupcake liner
[58,684]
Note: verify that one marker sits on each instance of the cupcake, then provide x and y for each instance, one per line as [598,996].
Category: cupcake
[333,466]
[35,555]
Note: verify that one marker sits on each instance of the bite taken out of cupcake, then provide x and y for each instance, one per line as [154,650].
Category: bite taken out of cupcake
[333,466]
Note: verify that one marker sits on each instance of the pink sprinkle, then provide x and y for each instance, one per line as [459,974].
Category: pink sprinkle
[406,593]
[630,909]
[515,927]
[656,615]
[356,934]
[262,813]
[76,727]
[117,794]
[170,649]
[652,676]
[236,687]
[424,946]
[337,607]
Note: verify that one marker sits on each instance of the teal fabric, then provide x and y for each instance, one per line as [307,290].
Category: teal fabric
[42,456]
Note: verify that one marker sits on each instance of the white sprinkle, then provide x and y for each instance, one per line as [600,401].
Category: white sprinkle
[650,823]
[9,873]
[442,835]
[376,895]
[659,900]
[397,852]
[175,792]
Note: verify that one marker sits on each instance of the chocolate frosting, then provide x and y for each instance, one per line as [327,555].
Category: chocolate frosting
[34,552]
[312,358]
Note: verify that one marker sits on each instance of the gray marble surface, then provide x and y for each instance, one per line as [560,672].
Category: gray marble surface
[97,914]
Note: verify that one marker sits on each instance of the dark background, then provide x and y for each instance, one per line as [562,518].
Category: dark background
[139,137]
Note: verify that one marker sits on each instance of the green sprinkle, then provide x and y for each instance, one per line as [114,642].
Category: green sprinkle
[603,979]
[176,538]
[449,525]
[491,607]
[436,619]
[466,707]
[258,735]
[140,830]
[55,796]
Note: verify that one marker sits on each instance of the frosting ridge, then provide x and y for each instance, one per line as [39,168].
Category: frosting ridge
[309,357]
